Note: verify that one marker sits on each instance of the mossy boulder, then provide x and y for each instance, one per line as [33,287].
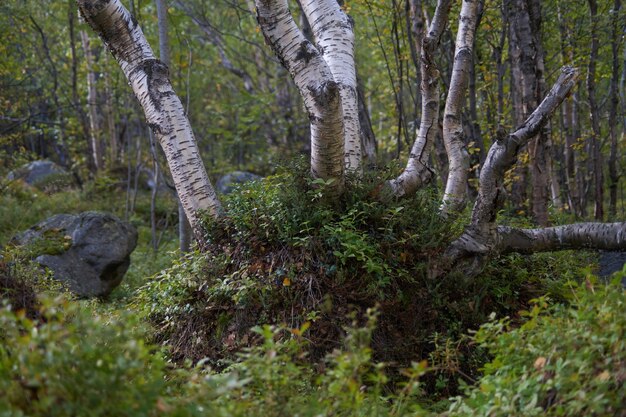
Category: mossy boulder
[89,252]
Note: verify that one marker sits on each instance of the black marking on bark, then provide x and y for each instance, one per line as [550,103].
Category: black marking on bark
[325,94]
[452,117]
[157,76]
[350,21]
[306,51]
[89,8]
[155,128]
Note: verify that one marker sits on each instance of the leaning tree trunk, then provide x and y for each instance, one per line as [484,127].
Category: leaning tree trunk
[417,171]
[149,80]
[480,239]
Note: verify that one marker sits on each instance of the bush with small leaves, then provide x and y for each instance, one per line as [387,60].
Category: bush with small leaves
[563,361]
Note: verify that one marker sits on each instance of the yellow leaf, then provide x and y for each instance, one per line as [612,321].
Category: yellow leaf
[540,362]
[286,282]
[604,376]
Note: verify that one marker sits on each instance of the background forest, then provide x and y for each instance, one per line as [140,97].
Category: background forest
[297,306]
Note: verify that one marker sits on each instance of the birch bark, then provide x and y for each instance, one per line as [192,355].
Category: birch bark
[164,112]
[602,236]
[315,81]
[95,128]
[480,238]
[332,29]
[456,186]
[417,172]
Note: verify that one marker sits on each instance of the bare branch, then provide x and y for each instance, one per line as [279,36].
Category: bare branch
[604,236]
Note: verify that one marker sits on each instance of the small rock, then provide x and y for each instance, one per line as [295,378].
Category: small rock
[226,184]
[45,175]
[89,252]
[611,262]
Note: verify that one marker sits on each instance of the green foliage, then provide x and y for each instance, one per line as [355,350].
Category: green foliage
[71,362]
[272,379]
[365,235]
[563,361]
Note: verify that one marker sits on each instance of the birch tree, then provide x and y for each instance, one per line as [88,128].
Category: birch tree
[323,73]
[148,77]
[317,85]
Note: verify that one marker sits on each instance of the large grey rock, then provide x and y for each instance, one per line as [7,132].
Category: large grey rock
[611,262]
[227,183]
[89,252]
[45,175]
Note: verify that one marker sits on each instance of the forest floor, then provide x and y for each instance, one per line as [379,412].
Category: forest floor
[297,309]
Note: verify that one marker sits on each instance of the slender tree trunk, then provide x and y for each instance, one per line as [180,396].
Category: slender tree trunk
[594,144]
[109,111]
[95,129]
[417,171]
[527,56]
[520,170]
[184,230]
[569,124]
[165,114]
[614,104]
[455,193]
[369,145]
[582,166]
[156,178]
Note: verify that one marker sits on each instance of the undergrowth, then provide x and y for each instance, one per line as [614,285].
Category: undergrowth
[286,257]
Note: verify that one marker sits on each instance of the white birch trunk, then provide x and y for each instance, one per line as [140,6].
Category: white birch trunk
[92,97]
[333,32]
[417,172]
[480,238]
[164,112]
[453,137]
[603,236]
[317,86]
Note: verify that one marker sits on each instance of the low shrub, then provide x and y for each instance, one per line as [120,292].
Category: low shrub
[70,362]
[563,361]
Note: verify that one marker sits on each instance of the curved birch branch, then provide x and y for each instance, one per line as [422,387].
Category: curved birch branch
[334,34]
[164,112]
[453,138]
[604,236]
[417,172]
[316,84]
[503,152]
[480,238]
